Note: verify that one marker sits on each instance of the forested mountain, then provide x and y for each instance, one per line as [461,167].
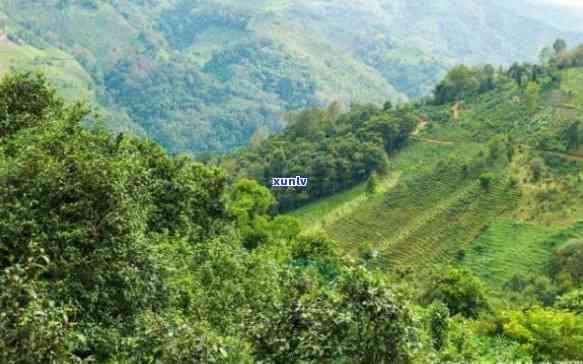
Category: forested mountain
[442,221]
[203,76]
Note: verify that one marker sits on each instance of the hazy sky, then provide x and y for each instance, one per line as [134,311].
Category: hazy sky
[578,3]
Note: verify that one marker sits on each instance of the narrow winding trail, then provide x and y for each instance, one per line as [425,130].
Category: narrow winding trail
[434,141]
[422,125]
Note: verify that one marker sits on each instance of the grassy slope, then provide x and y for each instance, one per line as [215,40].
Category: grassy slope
[573,82]
[510,247]
[320,211]
[435,218]
[104,32]
[63,70]
[372,221]
[329,210]
[430,218]
[441,233]
[426,218]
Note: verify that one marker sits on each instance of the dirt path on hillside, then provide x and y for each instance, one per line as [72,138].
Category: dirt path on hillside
[423,124]
[434,141]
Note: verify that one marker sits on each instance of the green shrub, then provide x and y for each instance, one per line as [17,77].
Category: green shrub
[33,328]
[172,341]
[547,334]
[439,324]
[460,290]
[26,101]
[572,301]
[363,321]
[486,180]
[568,259]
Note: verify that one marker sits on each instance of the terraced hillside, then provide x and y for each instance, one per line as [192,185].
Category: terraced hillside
[511,248]
[433,213]
[442,210]
[430,218]
[379,217]
[441,234]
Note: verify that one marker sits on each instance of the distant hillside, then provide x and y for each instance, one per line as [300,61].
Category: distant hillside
[203,76]
[496,153]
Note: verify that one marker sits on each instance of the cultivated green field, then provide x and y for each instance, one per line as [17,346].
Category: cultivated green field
[315,213]
[419,192]
[510,247]
[435,214]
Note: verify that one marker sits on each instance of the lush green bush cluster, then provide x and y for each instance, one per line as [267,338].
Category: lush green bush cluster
[462,81]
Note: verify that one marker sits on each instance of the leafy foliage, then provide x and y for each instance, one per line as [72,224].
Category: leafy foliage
[114,252]
[567,259]
[362,322]
[548,334]
[462,292]
[33,328]
[14,114]
[439,324]
[334,151]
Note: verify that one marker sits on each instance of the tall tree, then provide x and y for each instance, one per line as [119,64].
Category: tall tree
[560,46]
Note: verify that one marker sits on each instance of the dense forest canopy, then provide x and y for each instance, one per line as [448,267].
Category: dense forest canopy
[336,150]
[114,252]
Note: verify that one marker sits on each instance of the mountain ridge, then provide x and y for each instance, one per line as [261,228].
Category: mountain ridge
[282,56]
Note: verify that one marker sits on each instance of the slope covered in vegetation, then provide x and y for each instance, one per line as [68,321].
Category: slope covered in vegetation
[511,136]
[113,252]
[460,241]
[489,183]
